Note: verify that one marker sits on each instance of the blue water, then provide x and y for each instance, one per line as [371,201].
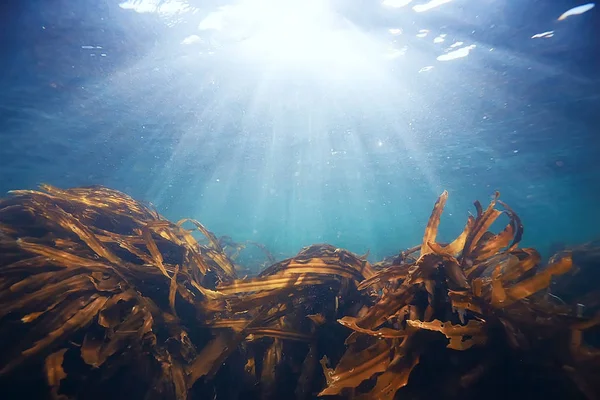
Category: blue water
[293,123]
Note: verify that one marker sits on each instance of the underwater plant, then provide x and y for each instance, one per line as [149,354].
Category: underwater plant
[100,296]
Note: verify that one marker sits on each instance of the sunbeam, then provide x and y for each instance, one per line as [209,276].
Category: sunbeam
[305,84]
[293,122]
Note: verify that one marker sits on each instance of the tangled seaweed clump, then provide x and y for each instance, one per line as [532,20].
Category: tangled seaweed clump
[101,296]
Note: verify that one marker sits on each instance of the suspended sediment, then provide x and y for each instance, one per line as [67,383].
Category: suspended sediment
[101,297]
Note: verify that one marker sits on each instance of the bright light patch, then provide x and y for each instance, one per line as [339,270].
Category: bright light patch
[548,34]
[440,39]
[428,6]
[164,7]
[576,11]
[396,3]
[191,40]
[460,53]
[214,20]
[395,53]
[292,35]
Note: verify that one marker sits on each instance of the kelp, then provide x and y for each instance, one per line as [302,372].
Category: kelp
[100,296]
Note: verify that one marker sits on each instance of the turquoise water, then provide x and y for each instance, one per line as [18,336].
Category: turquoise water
[289,124]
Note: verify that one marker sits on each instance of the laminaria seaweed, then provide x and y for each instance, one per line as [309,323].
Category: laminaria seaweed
[101,297]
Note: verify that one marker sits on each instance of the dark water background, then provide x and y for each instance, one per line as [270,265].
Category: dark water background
[353,151]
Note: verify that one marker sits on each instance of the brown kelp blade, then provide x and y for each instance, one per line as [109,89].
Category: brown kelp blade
[102,290]
[356,367]
[461,337]
[55,372]
[393,379]
[433,223]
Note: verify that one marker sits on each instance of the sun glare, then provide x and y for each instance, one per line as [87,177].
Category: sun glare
[306,36]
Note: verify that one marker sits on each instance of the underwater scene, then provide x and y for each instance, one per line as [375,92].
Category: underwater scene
[300,199]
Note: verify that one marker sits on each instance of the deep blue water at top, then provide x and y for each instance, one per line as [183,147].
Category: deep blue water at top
[291,128]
